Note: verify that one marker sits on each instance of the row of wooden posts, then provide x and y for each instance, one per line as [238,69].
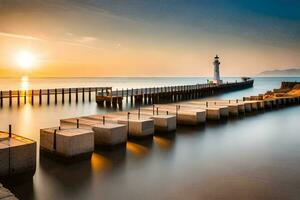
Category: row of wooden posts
[167,94]
[30,94]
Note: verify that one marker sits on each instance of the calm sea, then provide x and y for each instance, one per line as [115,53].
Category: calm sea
[254,157]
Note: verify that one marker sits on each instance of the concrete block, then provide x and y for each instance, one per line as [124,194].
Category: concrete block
[17,156]
[247,107]
[69,142]
[164,123]
[138,127]
[110,134]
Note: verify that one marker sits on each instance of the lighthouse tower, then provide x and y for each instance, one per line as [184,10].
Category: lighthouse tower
[217,70]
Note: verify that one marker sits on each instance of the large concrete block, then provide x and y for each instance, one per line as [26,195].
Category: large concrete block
[213,114]
[191,117]
[224,111]
[17,156]
[164,123]
[138,127]
[69,142]
[184,115]
[233,109]
[110,134]
[247,107]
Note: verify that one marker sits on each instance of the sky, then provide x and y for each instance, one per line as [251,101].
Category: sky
[82,38]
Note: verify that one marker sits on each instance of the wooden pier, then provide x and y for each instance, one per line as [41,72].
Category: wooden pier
[167,94]
[64,94]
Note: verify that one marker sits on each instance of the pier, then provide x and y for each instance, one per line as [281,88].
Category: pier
[45,95]
[167,94]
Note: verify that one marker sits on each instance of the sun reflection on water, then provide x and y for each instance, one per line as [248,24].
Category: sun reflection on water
[136,149]
[24,83]
[162,142]
[100,163]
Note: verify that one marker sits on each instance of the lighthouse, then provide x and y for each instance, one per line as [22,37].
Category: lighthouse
[217,70]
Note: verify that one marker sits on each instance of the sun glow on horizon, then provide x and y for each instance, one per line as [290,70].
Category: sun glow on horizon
[25,59]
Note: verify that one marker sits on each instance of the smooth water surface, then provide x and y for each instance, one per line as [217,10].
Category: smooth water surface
[254,157]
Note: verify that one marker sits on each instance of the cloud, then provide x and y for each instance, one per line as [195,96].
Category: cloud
[18,36]
[82,41]
[86,39]
[78,44]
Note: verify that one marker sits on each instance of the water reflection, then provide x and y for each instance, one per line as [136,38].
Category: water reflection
[163,142]
[100,163]
[139,148]
[24,83]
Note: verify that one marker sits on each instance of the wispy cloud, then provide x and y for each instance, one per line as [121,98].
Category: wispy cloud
[18,36]
[82,41]
[86,39]
[78,44]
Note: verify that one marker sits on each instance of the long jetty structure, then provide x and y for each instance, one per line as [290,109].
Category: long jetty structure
[28,95]
[168,93]
[110,97]
[114,129]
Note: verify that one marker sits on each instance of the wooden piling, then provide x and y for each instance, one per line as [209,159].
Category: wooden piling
[32,97]
[63,95]
[25,97]
[76,95]
[70,95]
[18,97]
[48,96]
[90,96]
[10,98]
[1,98]
[55,96]
[82,94]
[40,97]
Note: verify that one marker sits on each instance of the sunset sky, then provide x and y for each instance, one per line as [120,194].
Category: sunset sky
[148,37]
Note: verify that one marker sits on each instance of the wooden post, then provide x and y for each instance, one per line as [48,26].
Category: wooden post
[9,131]
[32,97]
[1,98]
[18,98]
[54,140]
[90,97]
[153,109]
[40,97]
[82,94]
[63,95]
[25,95]
[55,96]
[70,95]
[48,96]
[10,98]
[76,95]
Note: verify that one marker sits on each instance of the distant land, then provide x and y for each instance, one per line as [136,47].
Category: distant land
[284,72]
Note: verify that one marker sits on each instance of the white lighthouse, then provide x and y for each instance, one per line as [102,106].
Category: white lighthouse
[216,63]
